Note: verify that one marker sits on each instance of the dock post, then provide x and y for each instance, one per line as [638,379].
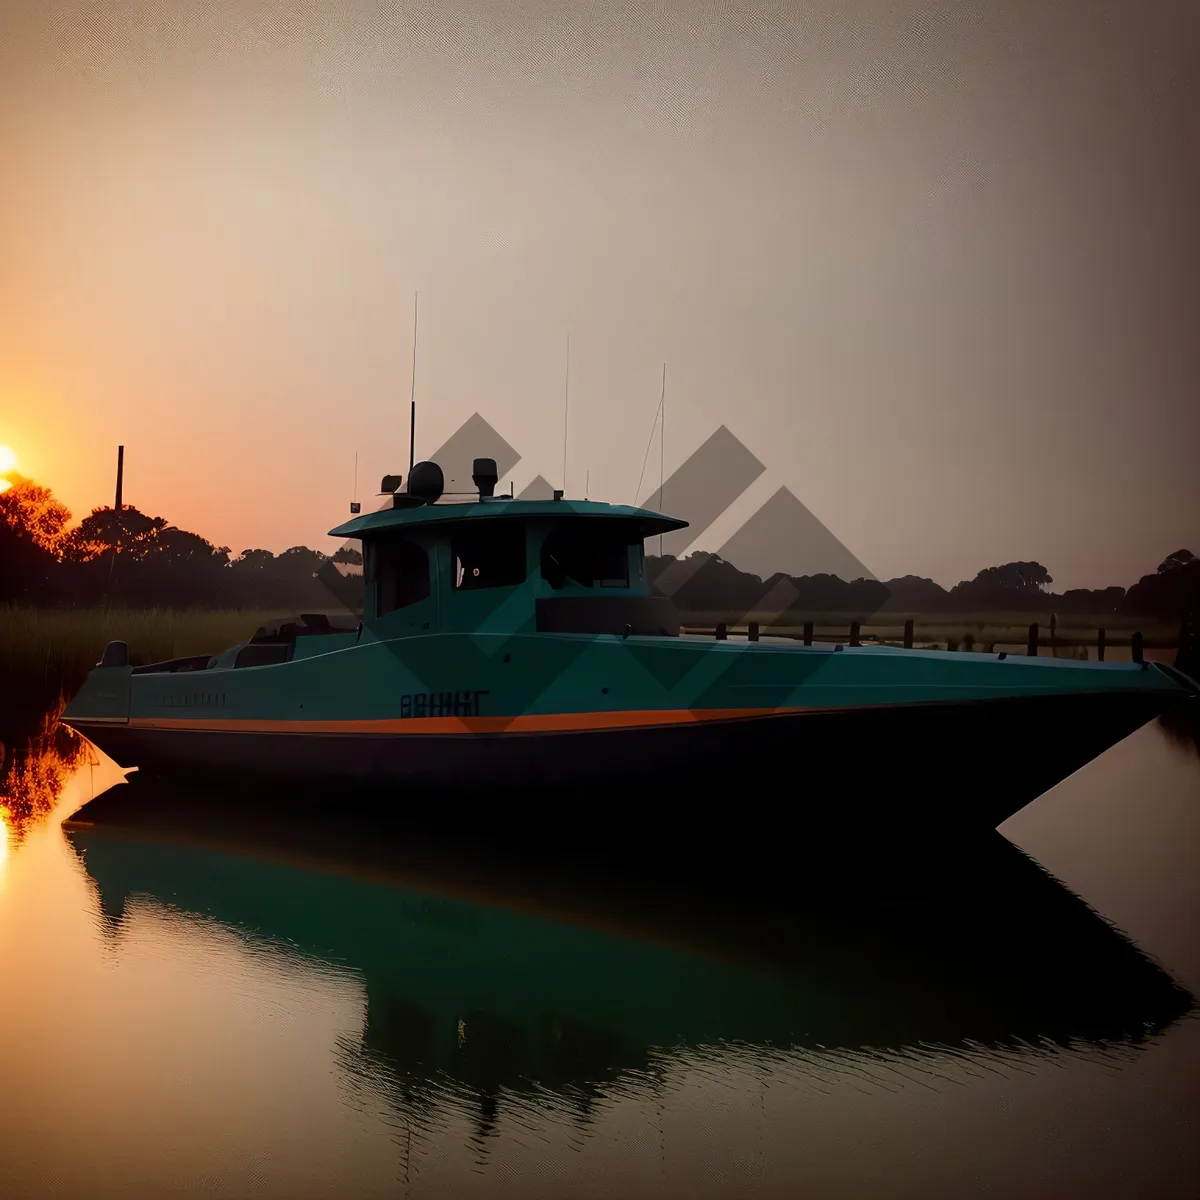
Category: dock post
[854,632]
[1136,649]
[722,631]
[808,633]
[908,634]
[952,643]
[752,631]
[1100,644]
[1032,648]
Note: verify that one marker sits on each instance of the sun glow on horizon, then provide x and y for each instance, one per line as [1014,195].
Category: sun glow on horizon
[8,464]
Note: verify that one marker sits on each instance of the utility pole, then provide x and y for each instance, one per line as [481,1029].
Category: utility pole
[120,475]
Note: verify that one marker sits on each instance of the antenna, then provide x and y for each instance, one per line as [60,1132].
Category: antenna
[662,435]
[412,414]
[355,507]
[566,404]
[649,443]
[587,480]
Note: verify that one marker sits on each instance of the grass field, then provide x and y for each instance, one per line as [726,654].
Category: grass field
[48,651]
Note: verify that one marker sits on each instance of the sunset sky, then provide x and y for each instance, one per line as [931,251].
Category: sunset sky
[935,267]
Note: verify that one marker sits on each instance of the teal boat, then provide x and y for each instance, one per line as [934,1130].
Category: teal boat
[512,653]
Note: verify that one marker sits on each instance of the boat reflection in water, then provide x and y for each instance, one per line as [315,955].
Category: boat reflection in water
[488,990]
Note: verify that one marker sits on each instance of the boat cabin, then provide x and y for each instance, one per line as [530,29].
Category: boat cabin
[478,563]
[487,563]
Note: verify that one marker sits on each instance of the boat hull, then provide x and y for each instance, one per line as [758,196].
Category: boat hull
[922,768]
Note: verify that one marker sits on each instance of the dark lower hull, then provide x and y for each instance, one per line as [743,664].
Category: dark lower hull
[921,768]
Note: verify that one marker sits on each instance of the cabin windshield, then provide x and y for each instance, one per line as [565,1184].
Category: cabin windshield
[399,570]
[489,554]
[588,558]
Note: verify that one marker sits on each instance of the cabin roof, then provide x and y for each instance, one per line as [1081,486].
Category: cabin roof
[649,523]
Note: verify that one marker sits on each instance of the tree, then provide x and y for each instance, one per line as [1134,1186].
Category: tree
[122,531]
[1013,586]
[254,560]
[1172,591]
[1174,561]
[915,594]
[179,548]
[348,556]
[1027,577]
[30,511]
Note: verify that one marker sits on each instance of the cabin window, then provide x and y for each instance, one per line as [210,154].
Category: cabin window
[263,654]
[592,558]
[488,556]
[400,571]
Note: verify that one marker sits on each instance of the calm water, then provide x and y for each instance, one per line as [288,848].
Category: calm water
[262,1012]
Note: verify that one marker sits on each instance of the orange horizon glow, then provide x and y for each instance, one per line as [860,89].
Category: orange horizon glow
[8,464]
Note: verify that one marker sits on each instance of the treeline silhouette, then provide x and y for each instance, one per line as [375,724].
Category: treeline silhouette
[705,583]
[124,556]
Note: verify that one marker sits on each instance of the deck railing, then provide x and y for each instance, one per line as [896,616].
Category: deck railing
[1094,643]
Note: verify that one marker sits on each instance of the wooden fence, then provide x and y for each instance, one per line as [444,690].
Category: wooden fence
[1037,639]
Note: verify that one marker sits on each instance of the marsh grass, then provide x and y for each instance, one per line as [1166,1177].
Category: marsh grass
[46,652]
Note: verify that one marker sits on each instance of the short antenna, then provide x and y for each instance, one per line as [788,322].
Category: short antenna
[566,412]
[412,412]
[649,446]
[662,436]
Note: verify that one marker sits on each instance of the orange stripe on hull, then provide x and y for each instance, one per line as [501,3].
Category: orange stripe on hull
[524,723]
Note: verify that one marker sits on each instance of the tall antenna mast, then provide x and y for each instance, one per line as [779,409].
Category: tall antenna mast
[566,408]
[412,412]
[662,437]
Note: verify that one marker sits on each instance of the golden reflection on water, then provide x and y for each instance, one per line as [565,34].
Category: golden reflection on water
[54,770]
[34,775]
[5,835]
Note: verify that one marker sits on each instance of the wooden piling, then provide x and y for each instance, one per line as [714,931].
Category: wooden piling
[808,633]
[908,634]
[1100,645]
[1136,649]
[722,631]
[752,631]
[855,629]
[1032,648]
